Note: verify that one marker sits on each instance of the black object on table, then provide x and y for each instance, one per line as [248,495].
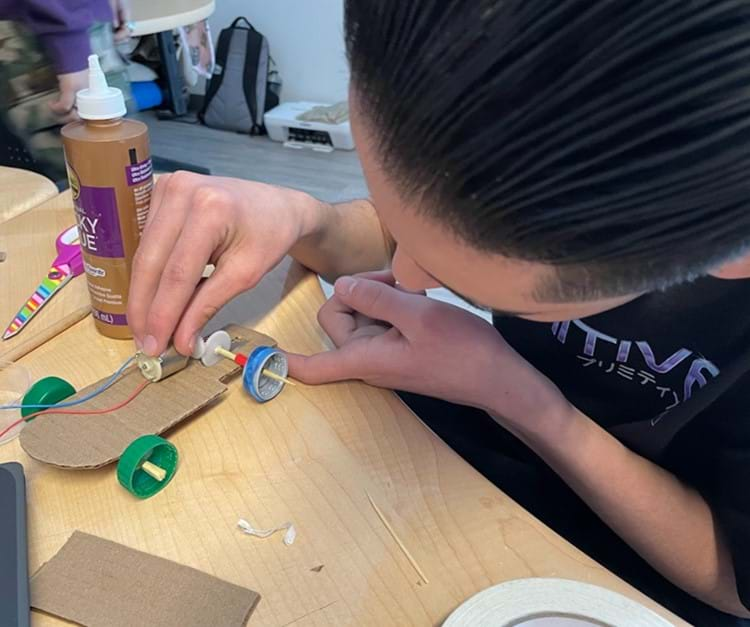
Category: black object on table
[14,568]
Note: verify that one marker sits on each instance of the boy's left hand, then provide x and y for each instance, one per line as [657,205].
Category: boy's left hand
[394,339]
[120,19]
[69,85]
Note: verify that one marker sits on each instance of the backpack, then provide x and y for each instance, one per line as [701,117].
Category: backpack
[244,84]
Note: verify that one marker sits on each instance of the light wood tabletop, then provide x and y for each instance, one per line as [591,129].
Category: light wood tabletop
[149,17]
[20,190]
[310,456]
[28,241]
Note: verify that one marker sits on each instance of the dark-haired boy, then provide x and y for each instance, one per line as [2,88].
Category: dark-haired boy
[580,169]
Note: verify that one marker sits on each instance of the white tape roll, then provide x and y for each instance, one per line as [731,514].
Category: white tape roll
[528,601]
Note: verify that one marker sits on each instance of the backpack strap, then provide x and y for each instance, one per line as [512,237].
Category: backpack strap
[250,76]
[237,20]
[261,87]
[222,52]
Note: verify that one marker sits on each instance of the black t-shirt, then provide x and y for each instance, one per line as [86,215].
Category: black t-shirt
[669,375]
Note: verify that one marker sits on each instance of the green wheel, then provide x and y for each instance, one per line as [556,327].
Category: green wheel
[47,391]
[147,465]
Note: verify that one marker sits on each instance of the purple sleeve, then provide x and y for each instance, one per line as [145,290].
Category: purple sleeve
[62,27]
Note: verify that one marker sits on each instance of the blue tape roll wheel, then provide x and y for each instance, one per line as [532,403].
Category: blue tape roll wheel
[259,386]
[147,465]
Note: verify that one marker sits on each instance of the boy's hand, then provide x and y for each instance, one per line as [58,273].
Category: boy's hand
[120,19]
[398,340]
[243,228]
[69,85]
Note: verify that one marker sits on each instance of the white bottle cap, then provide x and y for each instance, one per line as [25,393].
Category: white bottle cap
[99,101]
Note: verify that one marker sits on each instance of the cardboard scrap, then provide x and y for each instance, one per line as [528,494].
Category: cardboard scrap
[99,583]
[93,441]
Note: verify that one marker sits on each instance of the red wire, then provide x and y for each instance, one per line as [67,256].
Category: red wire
[76,412]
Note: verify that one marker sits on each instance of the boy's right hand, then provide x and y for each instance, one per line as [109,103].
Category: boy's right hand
[242,227]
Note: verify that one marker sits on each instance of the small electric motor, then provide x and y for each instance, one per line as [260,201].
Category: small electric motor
[165,365]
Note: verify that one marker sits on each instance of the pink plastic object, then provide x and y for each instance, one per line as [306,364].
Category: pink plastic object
[69,251]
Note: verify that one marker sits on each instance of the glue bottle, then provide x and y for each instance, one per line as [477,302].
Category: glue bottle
[109,169]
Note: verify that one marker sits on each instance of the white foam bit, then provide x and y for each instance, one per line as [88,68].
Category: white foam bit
[289,537]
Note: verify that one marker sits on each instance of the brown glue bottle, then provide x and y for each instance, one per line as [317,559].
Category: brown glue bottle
[110,174]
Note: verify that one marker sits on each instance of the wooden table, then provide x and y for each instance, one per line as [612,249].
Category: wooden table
[308,457]
[29,243]
[149,17]
[20,190]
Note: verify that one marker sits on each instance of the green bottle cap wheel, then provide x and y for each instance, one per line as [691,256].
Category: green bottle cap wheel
[47,391]
[147,465]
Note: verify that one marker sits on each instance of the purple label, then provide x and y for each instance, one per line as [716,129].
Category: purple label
[98,222]
[119,320]
[139,172]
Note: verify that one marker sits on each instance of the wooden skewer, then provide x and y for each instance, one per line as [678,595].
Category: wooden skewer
[225,353]
[153,470]
[268,373]
[401,545]
[272,375]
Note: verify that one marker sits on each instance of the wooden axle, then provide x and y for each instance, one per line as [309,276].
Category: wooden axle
[241,360]
[272,375]
[154,471]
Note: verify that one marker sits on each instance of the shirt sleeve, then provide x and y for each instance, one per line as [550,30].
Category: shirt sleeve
[714,457]
[730,500]
[62,27]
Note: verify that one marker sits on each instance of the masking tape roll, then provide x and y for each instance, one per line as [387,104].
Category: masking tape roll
[540,601]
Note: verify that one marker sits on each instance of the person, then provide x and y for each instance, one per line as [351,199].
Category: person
[44,46]
[580,169]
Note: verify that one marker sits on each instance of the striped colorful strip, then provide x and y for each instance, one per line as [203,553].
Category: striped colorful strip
[55,276]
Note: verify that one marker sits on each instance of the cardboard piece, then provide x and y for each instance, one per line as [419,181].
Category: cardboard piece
[98,583]
[93,441]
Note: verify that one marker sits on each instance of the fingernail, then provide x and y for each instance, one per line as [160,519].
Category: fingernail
[191,344]
[344,285]
[149,346]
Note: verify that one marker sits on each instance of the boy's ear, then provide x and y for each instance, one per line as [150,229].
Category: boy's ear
[737,269]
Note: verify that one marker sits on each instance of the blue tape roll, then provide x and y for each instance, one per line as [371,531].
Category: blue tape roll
[259,386]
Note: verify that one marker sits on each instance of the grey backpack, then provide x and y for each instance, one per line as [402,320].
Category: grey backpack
[244,84]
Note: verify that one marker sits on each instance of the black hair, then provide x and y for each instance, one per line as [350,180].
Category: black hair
[610,138]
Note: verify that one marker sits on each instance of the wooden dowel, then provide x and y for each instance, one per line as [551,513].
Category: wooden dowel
[225,353]
[401,545]
[268,373]
[272,375]
[153,470]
